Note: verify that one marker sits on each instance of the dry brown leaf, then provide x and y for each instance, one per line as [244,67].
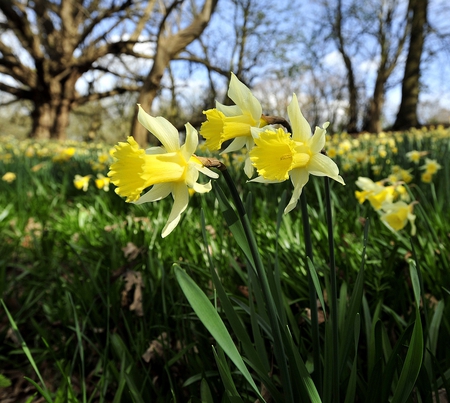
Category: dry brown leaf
[155,348]
[133,279]
[131,251]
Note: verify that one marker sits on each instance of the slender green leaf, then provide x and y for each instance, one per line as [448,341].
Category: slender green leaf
[212,321]
[233,223]
[205,392]
[413,361]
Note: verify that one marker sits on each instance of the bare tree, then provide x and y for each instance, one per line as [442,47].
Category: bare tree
[169,45]
[407,114]
[46,46]
[391,31]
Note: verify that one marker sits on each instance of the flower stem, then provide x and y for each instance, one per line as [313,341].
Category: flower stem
[333,294]
[278,344]
[317,374]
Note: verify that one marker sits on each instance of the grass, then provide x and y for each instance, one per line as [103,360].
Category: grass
[97,314]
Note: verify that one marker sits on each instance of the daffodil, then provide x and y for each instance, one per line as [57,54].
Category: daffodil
[277,156]
[234,122]
[414,156]
[82,182]
[102,182]
[169,169]
[396,216]
[426,177]
[431,166]
[375,192]
[9,177]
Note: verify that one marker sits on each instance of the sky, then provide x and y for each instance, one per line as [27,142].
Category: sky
[436,86]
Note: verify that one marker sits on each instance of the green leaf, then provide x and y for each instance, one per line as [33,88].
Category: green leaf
[233,223]
[205,392]
[4,381]
[212,321]
[413,361]
[316,282]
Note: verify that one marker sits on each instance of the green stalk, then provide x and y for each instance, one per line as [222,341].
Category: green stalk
[333,294]
[279,349]
[317,374]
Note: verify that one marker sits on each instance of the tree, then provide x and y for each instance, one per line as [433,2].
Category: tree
[169,44]
[342,40]
[391,31]
[407,113]
[47,45]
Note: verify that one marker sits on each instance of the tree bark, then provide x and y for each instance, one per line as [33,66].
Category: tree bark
[407,114]
[352,123]
[167,49]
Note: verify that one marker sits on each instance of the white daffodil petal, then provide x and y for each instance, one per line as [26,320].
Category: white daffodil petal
[235,145]
[162,129]
[317,141]
[191,142]
[155,150]
[299,178]
[248,166]
[180,195]
[301,130]
[228,110]
[321,165]
[202,188]
[241,95]
[207,172]
[157,192]
[261,179]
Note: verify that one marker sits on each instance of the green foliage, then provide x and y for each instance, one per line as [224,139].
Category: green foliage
[97,314]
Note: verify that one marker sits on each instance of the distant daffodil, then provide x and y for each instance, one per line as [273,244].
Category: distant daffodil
[169,169]
[278,156]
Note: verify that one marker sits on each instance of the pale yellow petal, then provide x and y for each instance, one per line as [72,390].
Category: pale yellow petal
[241,95]
[301,130]
[157,192]
[162,129]
[180,195]
[299,178]
[321,165]
[191,142]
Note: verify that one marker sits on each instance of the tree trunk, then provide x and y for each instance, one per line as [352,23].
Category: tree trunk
[52,109]
[372,123]
[407,114]
[167,48]
[352,124]
[145,99]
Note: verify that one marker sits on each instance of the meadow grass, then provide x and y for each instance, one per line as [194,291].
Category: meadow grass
[93,312]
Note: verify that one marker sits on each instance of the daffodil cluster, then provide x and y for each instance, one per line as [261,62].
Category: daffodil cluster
[277,155]
[390,202]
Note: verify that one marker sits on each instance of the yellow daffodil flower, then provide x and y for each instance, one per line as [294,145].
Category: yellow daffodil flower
[170,169]
[426,177]
[277,156]
[431,166]
[82,182]
[234,122]
[9,177]
[64,155]
[396,216]
[102,182]
[375,192]
[414,156]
